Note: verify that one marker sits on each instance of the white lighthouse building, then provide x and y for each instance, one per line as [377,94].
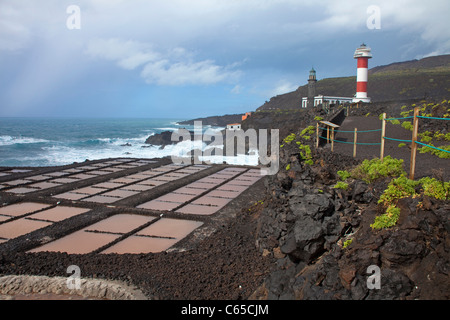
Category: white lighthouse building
[313,100]
[362,54]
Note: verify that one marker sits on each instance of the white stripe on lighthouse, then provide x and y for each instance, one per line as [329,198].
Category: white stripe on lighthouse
[362,75]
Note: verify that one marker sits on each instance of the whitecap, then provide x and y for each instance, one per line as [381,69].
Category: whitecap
[9,140]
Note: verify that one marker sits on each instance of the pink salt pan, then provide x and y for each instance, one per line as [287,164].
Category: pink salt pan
[232,187]
[70,196]
[198,209]
[212,201]
[138,187]
[223,194]
[22,190]
[101,199]
[88,190]
[174,228]
[176,197]
[120,223]
[80,242]
[159,205]
[22,208]
[190,191]
[120,193]
[58,213]
[137,245]
[20,227]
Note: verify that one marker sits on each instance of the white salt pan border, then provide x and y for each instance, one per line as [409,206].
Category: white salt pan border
[90,288]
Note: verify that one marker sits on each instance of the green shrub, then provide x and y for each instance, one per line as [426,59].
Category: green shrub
[407,125]
[308,130]
[347,243]
[288,167]
[401,145]
[405,114]
[387,220]
[371,170]
[290,138]
[426,139]
[306,154]
[435,188]
[317,118]
[426,136]
[438,153]
[403,187]
[344,175]
[439,136]
[341,185]
[398,188]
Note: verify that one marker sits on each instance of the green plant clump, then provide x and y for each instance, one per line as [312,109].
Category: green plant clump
[341,185]
[434,188]
[308,131]
[439,153]
[344,174]
[307,155]
[399,188]
[290,138]
[403,187]
[347,243]
[387,220]
[407,125]
[371,170]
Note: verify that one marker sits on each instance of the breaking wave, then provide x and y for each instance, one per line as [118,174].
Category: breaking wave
[9,140]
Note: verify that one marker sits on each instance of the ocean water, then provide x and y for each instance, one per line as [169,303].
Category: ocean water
[51,142]
[39,142]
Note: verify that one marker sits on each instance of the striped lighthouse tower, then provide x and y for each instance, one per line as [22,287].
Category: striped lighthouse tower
[363,55]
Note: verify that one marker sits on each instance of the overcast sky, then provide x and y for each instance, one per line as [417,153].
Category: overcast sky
[191,58]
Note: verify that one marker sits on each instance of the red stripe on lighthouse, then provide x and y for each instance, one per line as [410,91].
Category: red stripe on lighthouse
[361,87]
[363,63]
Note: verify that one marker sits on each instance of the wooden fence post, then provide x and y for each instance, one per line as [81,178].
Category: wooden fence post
[317,136]
[383,134]
[355,138]
[412,166]
[332,139]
